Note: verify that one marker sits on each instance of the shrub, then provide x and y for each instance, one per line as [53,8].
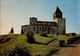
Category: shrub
[19,52]
[30,37]
[44,34]
[72,40]
[71,34]
[61,43]
[74,34]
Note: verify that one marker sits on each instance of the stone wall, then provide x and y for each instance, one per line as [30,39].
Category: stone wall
[40,29]
[25,29]
[61,25]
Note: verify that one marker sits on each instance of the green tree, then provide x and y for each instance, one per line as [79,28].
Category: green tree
[30,37]
[22,32]
[12,31]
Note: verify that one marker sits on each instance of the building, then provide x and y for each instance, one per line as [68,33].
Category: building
[51,27]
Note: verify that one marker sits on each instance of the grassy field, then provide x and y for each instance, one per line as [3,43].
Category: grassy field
[9,42]
[61,37]
[44,40]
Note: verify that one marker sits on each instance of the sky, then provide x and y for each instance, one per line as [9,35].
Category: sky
[15,13]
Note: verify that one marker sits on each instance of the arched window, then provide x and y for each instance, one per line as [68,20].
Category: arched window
[33,28]
[53,31]
[50,28]
[45,29]
[40,28]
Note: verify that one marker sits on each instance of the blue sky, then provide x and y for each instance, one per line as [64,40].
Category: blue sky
[15,13]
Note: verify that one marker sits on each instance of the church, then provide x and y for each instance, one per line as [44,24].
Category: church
[57,25]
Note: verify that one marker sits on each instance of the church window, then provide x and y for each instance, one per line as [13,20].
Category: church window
[40,28]
[45,29]
[50,28]
[33,28]
[53,31]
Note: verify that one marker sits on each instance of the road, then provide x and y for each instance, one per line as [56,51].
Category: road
[72,50]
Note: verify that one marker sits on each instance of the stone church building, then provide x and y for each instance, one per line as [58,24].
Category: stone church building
[57,25]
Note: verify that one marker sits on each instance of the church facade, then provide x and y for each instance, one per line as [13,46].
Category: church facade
[57,25]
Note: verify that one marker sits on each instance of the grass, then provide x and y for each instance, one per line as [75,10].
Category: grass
[44,40]
[61,37]
[20,41]
[42,50]
[64,37]
[35,49]
[78,35]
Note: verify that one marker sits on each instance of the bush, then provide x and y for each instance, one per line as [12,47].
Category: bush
[74,34]
[44,34]
[30,37]
[61,43]
[72,40]
[71,34]
[19,52]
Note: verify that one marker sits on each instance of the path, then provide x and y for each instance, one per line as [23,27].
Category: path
[73,50]
[50,44]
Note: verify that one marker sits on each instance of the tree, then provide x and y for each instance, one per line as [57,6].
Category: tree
[22,32]
[30,37]
[12,31]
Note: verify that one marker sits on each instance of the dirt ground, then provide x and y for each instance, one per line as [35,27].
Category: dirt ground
[72,50]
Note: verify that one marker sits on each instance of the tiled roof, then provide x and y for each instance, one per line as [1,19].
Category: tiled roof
[45,21]
[42,23]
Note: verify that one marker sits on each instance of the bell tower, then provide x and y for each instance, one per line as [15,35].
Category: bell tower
[57,14]
[57,17]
